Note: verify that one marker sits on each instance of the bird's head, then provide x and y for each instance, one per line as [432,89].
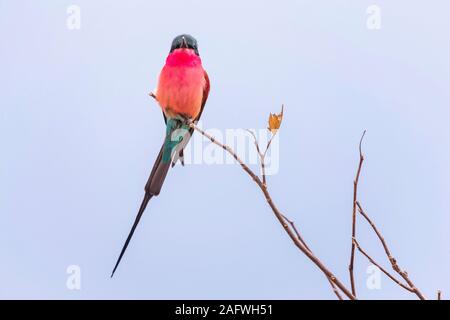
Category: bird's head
[184,41]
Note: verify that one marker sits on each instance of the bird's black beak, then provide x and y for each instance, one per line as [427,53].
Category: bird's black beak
[184,43]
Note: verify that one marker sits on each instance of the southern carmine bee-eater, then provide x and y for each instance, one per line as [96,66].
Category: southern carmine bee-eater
[183,88]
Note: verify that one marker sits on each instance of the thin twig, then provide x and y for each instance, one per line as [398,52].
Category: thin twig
[299,236]
[335,290]
[269,143]
[278,214]
[255,141]
[392,260]
[261,157]
[297,233]
[265,153]
[380,267]
[355,198]
[377,232]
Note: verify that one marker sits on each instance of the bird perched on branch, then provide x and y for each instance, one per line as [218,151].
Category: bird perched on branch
[183,88]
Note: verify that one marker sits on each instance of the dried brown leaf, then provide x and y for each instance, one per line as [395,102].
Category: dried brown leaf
[275,121]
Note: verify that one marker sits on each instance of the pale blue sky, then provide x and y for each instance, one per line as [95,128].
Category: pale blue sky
[78,137]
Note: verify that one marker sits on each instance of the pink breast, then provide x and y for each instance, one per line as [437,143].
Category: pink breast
[181,83]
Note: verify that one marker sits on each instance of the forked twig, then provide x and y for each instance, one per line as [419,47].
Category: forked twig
[392,260]
[262,155]
[299,236]
[355,245]
[297,233]
[335,290]
[380,267]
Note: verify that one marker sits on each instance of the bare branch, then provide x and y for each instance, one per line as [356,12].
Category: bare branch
[355,198]
[294,234]
[279,215]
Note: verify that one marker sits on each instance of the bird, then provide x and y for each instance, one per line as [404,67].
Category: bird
[182,91]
